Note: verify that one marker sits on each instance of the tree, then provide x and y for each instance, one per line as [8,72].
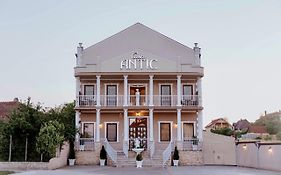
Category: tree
[49,138]
[278,135]
[223,131]
[271,122]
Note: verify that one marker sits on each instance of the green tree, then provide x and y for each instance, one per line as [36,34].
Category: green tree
[271,122]
[49,138]
[278,135]
[223,131]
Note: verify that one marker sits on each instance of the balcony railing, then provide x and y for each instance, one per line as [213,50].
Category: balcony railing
[192,145]
[133,100]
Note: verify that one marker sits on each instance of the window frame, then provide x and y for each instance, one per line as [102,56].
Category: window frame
[117,130]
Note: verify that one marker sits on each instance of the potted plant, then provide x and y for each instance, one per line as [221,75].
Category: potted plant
[102,156]
[139,160]
[194,143]
[176,157]
[71,155]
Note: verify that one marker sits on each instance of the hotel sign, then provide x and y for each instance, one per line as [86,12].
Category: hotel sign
[138,62]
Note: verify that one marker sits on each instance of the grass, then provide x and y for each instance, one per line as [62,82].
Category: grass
[5,172]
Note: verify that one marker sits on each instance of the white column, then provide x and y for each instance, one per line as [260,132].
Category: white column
[150,90]
[77,90]
[125,90]
[98,90]
[126,125]
[151,125]
[179,90]
[200,113]
[77,124]
[97,125]
[179,124]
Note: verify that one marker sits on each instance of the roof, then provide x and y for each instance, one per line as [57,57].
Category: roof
[133,38]
[6,108]
[218,120]
[257,129]
[242,124]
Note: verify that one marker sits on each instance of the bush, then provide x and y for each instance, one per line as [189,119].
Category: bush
[278,135]
[176,154]
[71,154]
[103,153]
[139,157]
[267,137]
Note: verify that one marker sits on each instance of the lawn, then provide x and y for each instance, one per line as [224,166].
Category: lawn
[5,172]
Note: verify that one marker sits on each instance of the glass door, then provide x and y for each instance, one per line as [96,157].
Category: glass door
[138,130]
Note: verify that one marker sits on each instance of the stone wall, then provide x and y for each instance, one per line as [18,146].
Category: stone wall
[61,160]
[23,165]
[191,158]
[87,158]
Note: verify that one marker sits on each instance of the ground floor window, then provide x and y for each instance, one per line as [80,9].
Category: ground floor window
[88,130]
[112,131]
[165,131]
[187,131]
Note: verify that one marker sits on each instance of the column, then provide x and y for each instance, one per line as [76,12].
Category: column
[179,90]
[126,125]
[97,125]
[77,91]
[151,125]
[200,113]
[179,125]
[150,90]
[77,124]
[125,90]
[98,90]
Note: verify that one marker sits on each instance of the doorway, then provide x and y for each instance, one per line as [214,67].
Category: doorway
[137,129]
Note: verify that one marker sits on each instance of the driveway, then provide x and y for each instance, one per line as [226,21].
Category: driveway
[184,170]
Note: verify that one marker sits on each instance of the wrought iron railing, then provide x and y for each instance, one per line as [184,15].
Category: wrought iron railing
[111,152]
[167,153]
[85,144]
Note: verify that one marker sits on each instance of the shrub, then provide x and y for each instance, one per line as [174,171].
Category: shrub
[176,154]
[71,154]
[278,135]
[139,157]
[103,153]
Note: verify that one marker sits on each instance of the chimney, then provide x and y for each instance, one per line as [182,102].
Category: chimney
[265,112]
[79,54]
[197,52]
[16,99]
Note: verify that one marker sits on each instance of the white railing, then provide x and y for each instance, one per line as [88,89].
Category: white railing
[151,149]
[190,100]
[111,152]
[126,148]
[138,100]
[167,153]
[85,144]
[192,145]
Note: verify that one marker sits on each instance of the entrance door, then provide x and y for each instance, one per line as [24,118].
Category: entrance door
[165,132]
[138,129]
[188,131]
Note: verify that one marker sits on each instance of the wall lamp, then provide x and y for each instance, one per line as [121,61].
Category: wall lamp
[244,146]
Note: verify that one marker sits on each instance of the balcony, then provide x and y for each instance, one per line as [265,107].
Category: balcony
[134,101]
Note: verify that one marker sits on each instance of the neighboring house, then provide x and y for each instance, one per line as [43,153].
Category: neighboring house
[241,125]
[138,88]
[218,123]
[7,107]
[255,131]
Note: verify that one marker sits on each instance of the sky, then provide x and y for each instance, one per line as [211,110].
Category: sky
[240,41]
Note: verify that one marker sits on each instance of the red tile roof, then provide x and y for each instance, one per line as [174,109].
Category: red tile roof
[219,120]
[257,129]
[6,108]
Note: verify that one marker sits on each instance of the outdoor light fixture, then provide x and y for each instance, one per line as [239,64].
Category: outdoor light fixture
[244,146]
[270,149]
[175,125]
[100,125]
[138,113]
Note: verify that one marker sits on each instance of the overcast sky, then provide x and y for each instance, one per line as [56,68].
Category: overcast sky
[241,45]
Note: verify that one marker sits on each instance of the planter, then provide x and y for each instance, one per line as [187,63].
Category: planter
[176,162]
[102,162]
[71,162]
[82,147]
[139,164]
[194,147]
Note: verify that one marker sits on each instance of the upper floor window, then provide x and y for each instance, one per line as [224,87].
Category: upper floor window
[187,90]
[89,90]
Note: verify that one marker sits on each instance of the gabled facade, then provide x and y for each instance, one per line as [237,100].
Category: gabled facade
[138,88]
[218,123]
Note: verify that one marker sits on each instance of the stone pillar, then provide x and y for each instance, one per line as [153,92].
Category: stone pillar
[179,125]
[125,90]
[151,139]
[77,124]
[98,90]
[97,125]
[179,90]
[126,125]
[150,90]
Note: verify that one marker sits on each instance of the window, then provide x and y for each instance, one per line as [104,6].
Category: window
[88,130]
[188,131]
[187,90]
[111,132]
[165,132]
[111,95]
[165,95]
[89,90]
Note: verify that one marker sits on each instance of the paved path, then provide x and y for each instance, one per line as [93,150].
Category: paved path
[185,170]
